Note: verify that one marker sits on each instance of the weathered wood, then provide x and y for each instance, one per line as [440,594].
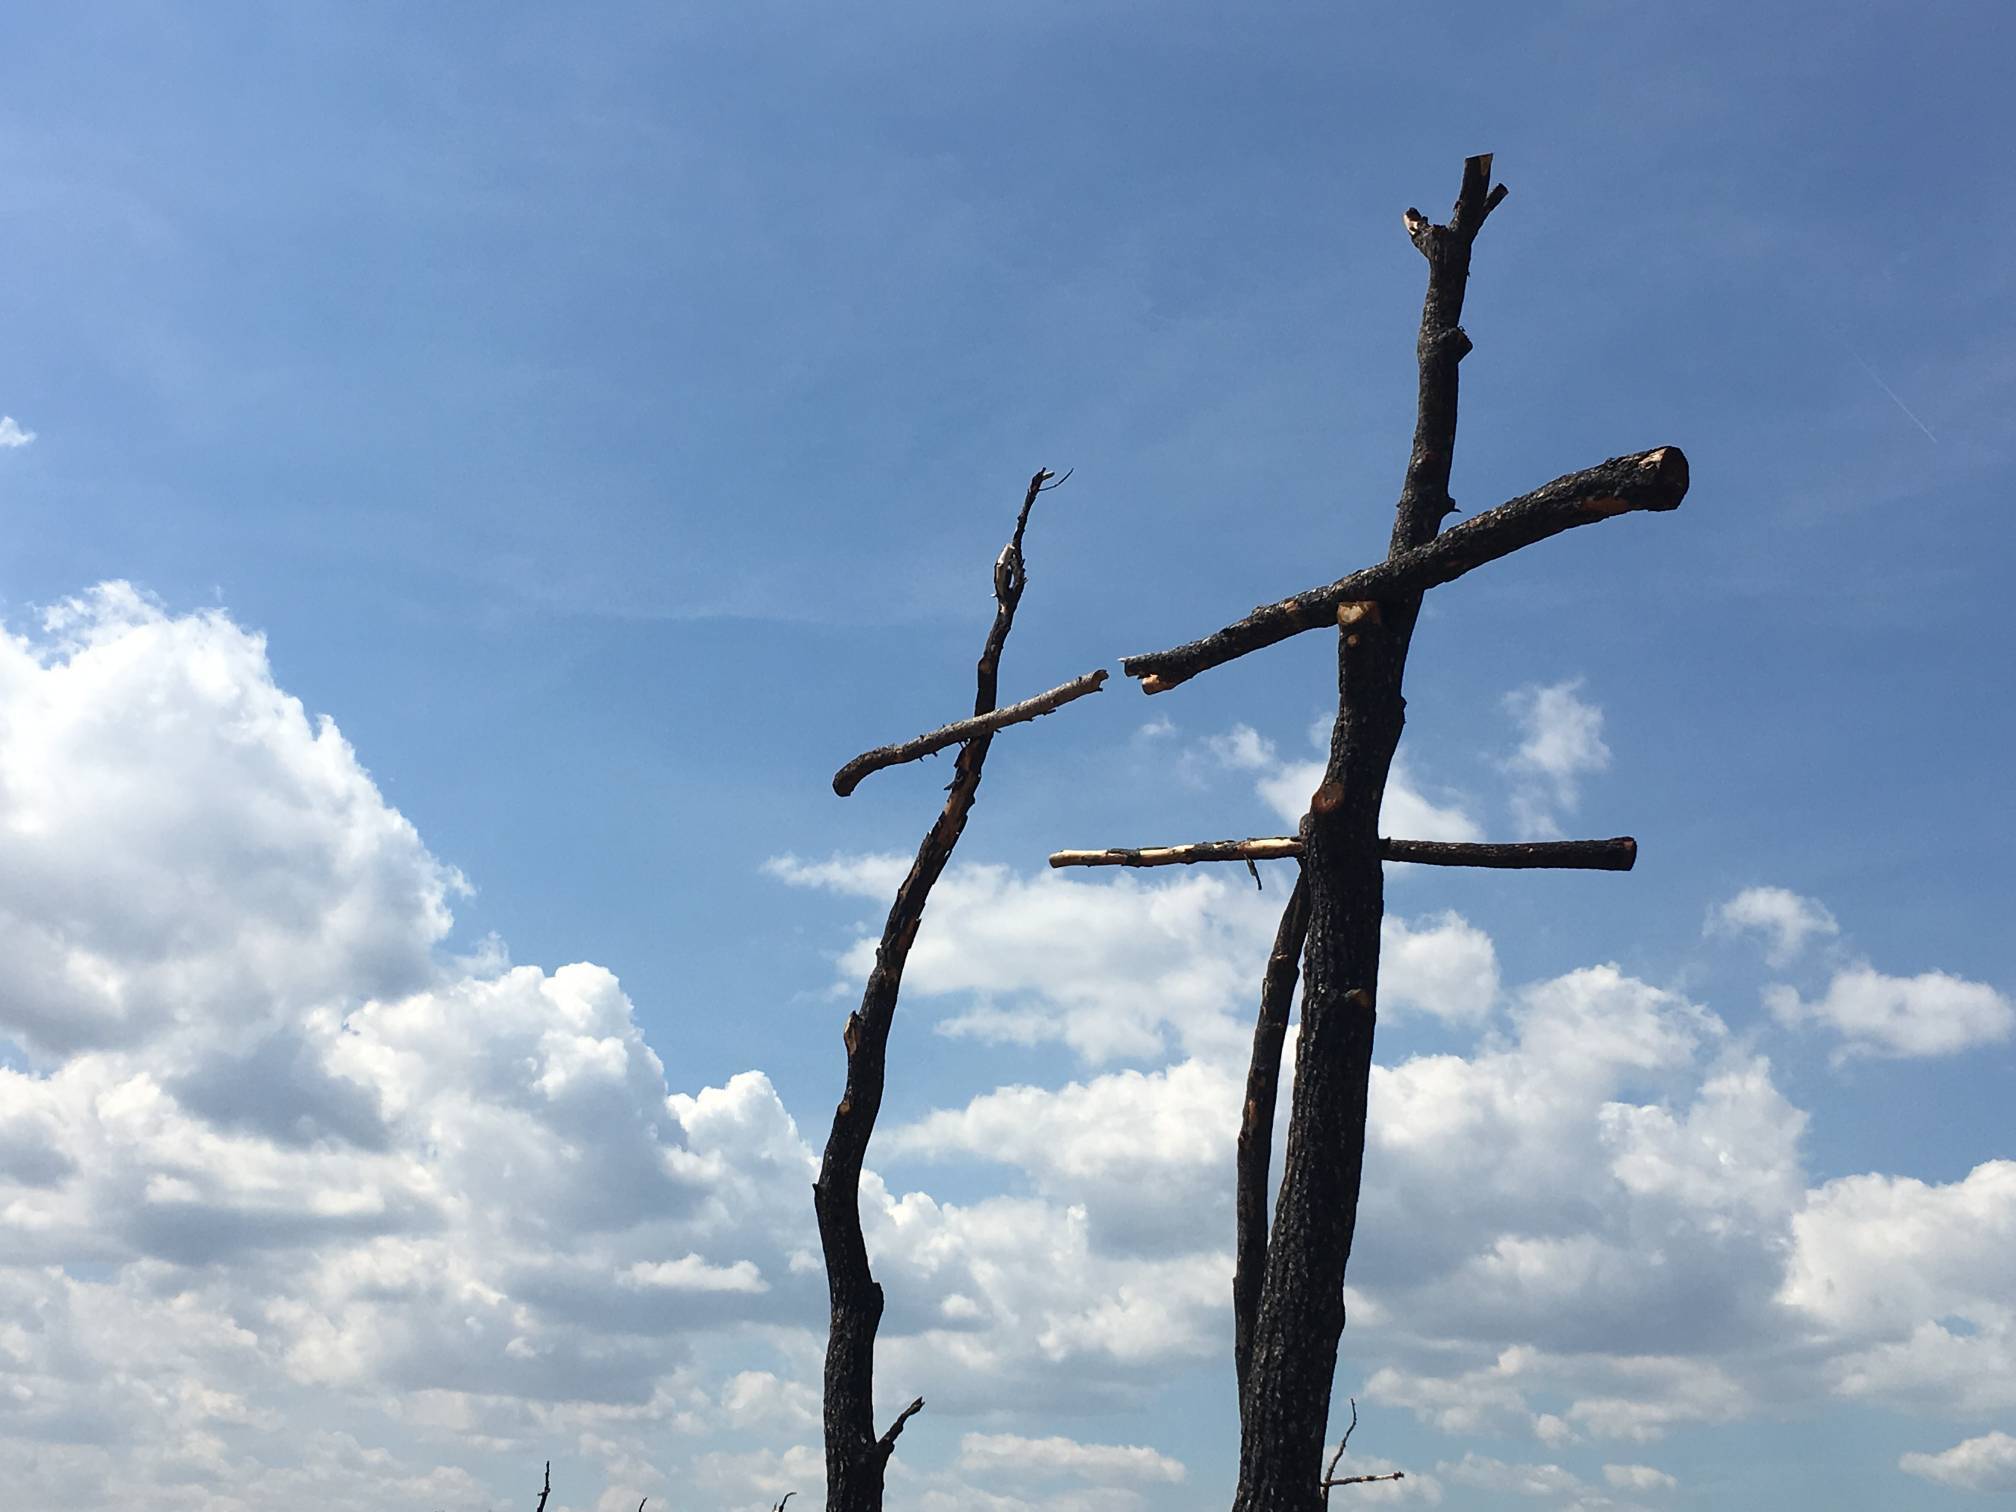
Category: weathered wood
[1652,480]
[1619,854]
[1278,848]
[849,776]
[856,1458]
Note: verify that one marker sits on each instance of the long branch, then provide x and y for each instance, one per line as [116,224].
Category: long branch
[1653,480]
[1256,1121]
[1618,854]
[855,1456]
[849,776]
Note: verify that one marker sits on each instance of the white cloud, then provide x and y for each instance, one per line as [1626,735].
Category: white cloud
[277,1160]
[1561,744]
[1929,1014]
[1987,1463]
[182,840]
[1242,748]
[1442,965]
[1010,1457]
[1875,1254]
[1111,968]
[1516,1480]
[1785,918]
[12,435]
[1638,1478]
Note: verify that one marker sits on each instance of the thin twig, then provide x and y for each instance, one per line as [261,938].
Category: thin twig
[545,1490]
[1330,1476]
[1344,1443]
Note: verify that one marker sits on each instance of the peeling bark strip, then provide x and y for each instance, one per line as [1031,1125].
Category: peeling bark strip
[1653,480]
[849,776]
[1620,854]
[855,1456]
[1256,1121]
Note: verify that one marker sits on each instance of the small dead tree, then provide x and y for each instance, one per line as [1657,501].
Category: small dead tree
[1288,1287]
[856,1456]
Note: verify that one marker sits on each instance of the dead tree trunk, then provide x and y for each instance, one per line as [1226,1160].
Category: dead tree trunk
[856,1456]
[1288,1326]
[1286,1407]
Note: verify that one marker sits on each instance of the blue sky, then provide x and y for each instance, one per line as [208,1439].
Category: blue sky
[608,418]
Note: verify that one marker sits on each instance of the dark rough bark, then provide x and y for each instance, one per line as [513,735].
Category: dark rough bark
[855,1456]
[1285,1407]
[849,776]
[1618,854]
[1256,1120]
[1653,480]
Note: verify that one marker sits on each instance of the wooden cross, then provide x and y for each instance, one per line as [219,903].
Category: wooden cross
[856,1456]
[1288,1287]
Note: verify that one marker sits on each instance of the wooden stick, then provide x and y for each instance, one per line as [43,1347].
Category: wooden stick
[1655,480]
[849,776]
[1618,854]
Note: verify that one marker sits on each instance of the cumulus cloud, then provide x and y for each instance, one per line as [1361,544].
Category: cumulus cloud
[1561,744]
[12,435]
[183,840]
[1114,969]
[1785,919]
[271,1157]
[1010,1457]
[1987,1463]
[1443,965]
[1932,1013]
[1638,1478]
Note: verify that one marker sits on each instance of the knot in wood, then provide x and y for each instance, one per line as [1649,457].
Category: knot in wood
[1326,798]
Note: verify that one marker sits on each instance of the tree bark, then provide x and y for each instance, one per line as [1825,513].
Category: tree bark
[1285,1406]
[856,1457]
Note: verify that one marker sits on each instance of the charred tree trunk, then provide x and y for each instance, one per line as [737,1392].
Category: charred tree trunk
[1286,1335]
[856,1456]
[1285,1404]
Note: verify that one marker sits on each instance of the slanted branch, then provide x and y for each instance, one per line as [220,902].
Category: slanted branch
[1618,854]
[849,776]
[1256,1121]
[888,1440]
[1653,480]
[856,1458]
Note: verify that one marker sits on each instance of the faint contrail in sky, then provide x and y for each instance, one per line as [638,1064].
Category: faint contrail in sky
[1877,379]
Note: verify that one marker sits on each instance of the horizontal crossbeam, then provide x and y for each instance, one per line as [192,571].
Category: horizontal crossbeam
[1618,854]
[1654,480]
